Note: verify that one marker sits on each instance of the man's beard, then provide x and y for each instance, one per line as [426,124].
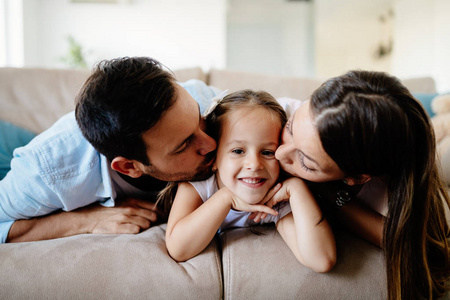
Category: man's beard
[202,172]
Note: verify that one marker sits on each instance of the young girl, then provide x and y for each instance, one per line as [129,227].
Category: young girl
[247,126]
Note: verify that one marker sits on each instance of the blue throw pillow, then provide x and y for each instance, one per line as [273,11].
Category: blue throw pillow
[426,100]
[11,137]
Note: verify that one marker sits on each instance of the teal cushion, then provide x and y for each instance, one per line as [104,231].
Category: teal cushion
[11,137]
[426,100]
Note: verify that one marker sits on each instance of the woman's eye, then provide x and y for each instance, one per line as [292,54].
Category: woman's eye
[302,163]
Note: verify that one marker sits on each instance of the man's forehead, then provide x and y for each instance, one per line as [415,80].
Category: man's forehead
[176,124]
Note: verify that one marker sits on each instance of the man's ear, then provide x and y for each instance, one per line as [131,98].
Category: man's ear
[357,180]
[126,166]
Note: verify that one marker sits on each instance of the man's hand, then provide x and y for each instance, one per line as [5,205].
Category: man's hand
[129,216]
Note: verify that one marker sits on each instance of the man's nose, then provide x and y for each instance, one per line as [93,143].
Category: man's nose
[206,144]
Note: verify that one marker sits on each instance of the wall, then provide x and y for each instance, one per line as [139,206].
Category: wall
[11,41]
[347,34]
[176,32]
[271,36]
[422,36]
[320,38]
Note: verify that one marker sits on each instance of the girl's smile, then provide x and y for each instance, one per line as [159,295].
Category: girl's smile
[245,159]
[253,182]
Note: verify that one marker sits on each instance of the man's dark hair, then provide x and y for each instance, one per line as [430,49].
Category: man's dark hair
[121,100]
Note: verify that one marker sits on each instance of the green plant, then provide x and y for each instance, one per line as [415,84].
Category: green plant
[75,56]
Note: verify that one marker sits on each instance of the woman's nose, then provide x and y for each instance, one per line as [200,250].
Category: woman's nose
[283,154]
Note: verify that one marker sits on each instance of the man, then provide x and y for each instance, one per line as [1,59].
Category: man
[98,170]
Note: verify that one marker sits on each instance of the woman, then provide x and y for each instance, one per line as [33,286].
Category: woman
[366,131]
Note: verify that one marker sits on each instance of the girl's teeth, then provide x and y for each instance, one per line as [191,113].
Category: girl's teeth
[249,180]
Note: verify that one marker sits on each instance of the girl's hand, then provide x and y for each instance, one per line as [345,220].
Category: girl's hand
[258,216]
[277,195]
[238,204]
[290,187]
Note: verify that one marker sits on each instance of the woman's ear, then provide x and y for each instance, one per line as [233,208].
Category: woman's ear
[357,180]
[126,166]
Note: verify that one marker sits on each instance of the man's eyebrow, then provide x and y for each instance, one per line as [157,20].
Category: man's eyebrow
[189,137]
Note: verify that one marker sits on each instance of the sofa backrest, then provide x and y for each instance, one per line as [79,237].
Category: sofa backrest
[278,86]
[293,87]
[34,98]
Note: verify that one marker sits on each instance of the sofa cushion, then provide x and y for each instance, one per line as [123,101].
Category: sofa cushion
[263,267]
[107,267]
[11,137]
[426,99]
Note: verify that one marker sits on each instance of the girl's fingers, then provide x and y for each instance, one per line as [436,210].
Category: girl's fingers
[265,209]
[270,194]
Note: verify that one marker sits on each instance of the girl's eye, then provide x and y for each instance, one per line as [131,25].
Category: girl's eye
[237,151]
[268,153]
[302,163]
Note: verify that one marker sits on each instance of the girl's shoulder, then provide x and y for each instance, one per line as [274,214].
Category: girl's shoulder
[205,188]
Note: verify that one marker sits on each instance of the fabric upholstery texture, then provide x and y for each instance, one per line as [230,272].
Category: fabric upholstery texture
[263,267]
[236,265]
[107,267]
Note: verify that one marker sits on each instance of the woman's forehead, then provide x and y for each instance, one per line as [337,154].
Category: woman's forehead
[307,140]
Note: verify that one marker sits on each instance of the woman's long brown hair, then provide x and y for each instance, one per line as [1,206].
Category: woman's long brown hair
[369,123]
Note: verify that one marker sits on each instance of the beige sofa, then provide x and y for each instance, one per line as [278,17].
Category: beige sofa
[238,264]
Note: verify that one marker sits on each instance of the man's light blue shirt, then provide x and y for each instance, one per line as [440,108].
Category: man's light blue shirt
[59,169]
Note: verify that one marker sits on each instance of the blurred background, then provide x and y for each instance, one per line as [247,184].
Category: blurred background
[306,38]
